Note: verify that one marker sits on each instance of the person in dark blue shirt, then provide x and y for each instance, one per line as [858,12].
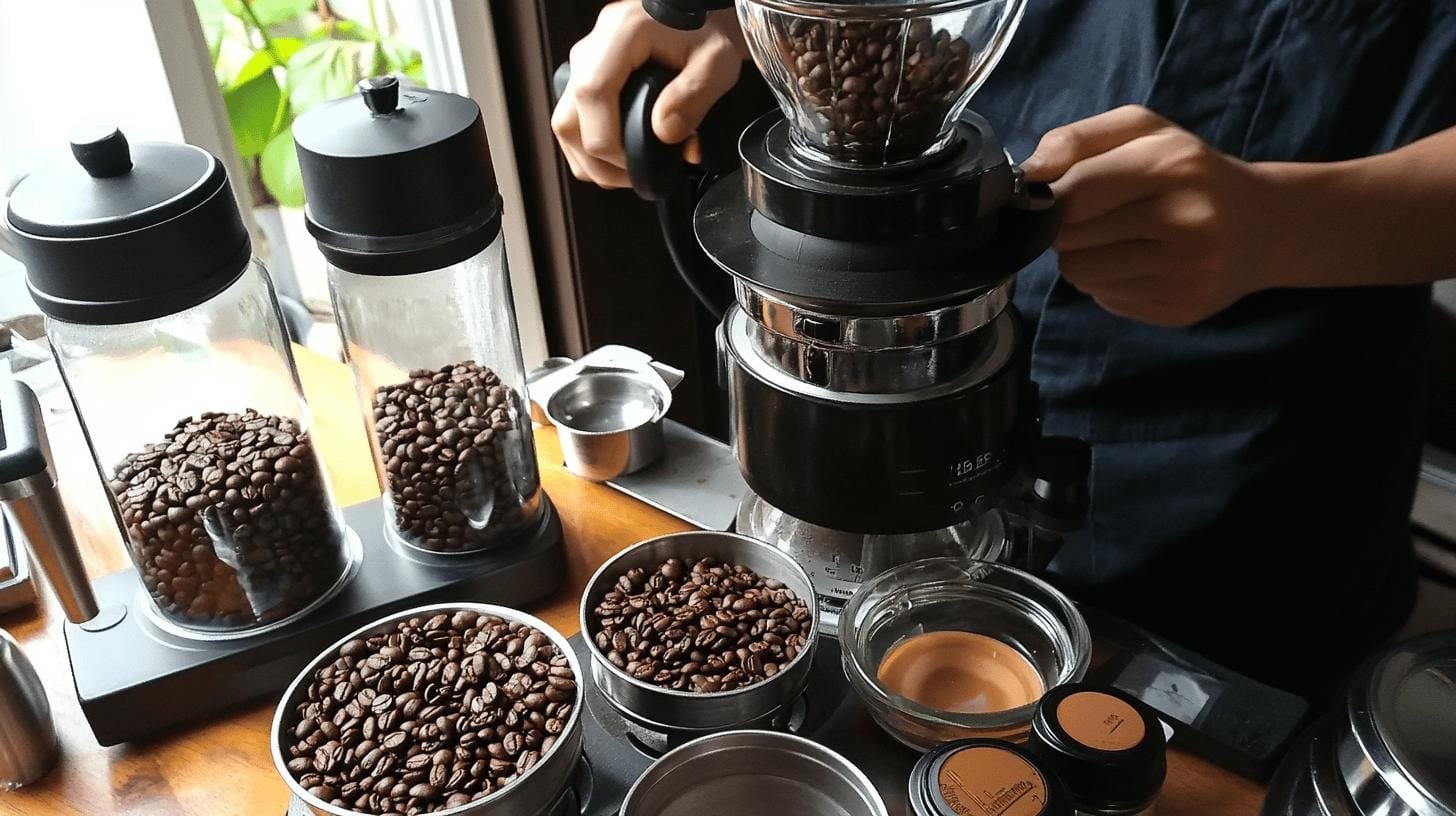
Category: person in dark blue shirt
[1258,193]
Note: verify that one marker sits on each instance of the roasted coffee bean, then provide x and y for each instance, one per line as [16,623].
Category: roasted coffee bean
[872,92]
[228,558]
[700,625]
[376,745]
[459,476]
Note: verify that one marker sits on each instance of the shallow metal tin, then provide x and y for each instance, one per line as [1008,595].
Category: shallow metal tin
[1392,752]
[607,407]
[667,710]
[533,794]
[753,772]
[1399,754]
[609,421]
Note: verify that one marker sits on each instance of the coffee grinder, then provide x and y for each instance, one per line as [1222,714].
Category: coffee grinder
[883,409]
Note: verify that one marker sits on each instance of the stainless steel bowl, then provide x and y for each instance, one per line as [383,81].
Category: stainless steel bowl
[1390,753]
[753,772]
[532,794]
[667,710]
[610,421]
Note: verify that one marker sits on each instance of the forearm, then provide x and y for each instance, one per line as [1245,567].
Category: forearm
[1384,220]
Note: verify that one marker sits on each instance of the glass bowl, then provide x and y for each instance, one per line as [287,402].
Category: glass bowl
[875,82]
[957,594]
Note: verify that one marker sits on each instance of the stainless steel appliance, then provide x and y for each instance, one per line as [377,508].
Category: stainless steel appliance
[28,745]
[883,409]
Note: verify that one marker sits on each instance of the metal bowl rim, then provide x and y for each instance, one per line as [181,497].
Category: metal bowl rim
[791,741]
[664,401]
[589,637]
[504,612]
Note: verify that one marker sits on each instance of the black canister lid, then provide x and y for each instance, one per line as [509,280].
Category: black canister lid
[980,777]
[1106,746]
[398,180]
[121,233]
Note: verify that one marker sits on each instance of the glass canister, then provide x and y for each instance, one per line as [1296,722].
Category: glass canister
[172,347]
[402,199]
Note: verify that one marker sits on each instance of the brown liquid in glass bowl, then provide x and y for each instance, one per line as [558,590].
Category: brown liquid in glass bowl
[961,673]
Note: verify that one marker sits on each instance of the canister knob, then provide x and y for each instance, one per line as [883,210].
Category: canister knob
[104,154]
[381,94]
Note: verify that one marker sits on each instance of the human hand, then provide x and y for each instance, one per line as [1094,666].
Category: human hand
[587,119]
[1159,226]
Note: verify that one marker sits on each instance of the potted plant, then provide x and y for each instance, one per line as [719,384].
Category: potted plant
[275,59]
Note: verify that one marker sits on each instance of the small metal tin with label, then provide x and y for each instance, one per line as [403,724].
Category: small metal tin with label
[985,778]
[1107,747]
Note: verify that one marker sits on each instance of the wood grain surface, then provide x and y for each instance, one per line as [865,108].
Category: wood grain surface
[222,768]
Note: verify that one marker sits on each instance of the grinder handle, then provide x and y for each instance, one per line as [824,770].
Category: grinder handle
[685,15]
[28,491]
[656,169]
[1032,196]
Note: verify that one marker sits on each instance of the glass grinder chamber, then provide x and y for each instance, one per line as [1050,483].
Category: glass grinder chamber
[883,409]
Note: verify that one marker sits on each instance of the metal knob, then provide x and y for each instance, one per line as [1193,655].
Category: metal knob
[28,745]
[28,490]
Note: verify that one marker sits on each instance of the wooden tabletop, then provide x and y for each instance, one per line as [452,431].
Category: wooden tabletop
[223,768]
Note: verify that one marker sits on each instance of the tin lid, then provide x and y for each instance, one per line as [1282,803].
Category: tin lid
[1402,710]
[1106,746]
[398,180]
[985,778]
[125,232]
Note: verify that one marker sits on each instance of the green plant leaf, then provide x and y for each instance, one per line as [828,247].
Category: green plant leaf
[279,169]
[415,71]
[262,60]
[322,71]
[210,14]
[287,47]
[255,110]
[257,65]
[378,62]
[341,30]
[273,12]
[399,55]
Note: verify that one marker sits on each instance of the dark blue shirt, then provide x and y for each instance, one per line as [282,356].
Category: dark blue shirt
[1253,474]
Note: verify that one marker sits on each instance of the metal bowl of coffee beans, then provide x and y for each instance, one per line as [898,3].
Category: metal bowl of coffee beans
[700,631]
[451,708]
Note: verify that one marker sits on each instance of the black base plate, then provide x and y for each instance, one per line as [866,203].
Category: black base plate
[134,679]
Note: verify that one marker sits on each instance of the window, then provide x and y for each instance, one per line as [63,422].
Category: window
[152,67]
